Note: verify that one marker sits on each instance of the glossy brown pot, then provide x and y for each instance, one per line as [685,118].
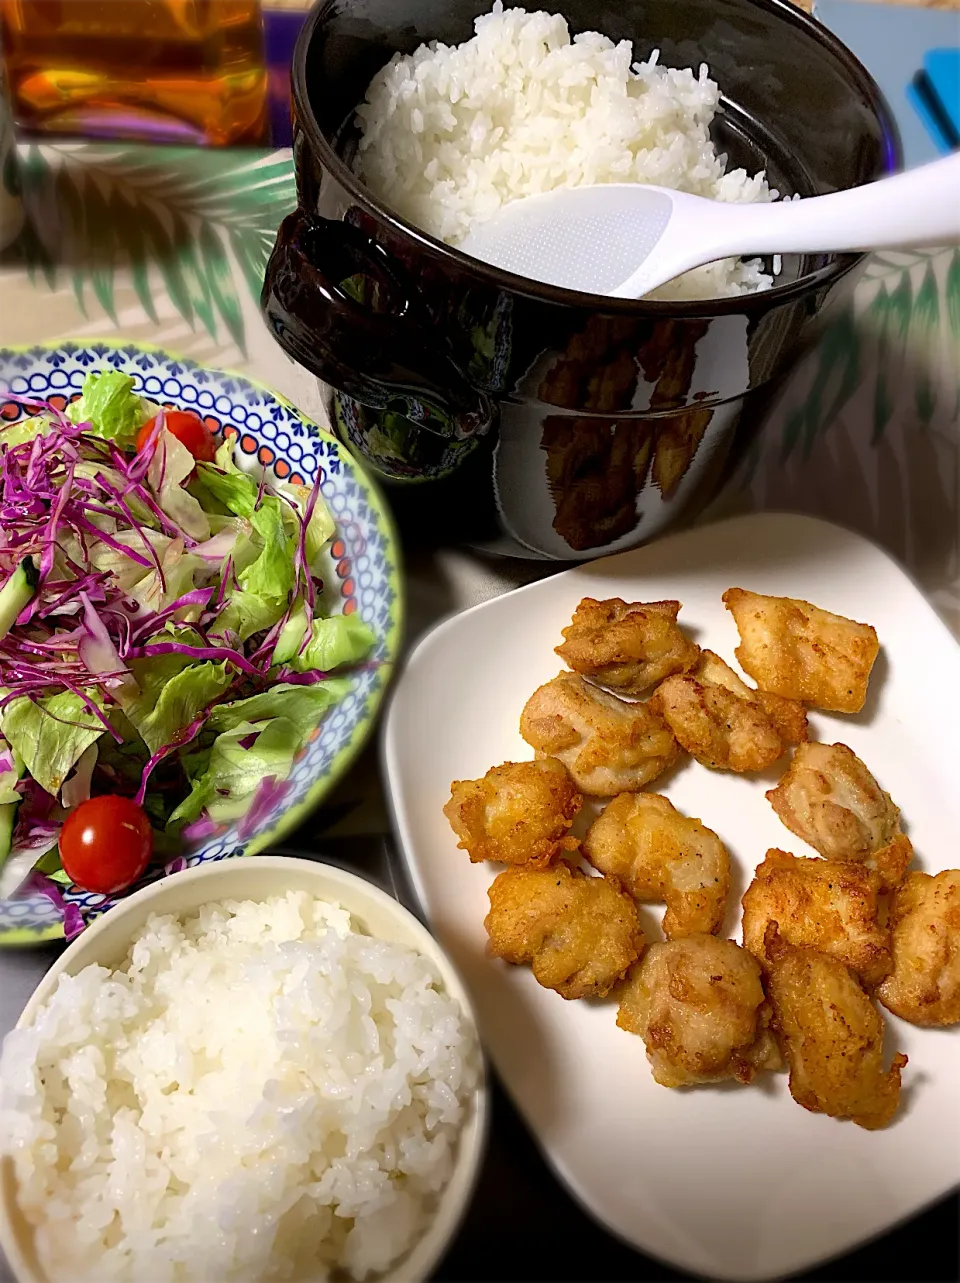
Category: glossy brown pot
[534,419]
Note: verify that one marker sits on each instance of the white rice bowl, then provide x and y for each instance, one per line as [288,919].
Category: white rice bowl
[259,1091]
[451,134]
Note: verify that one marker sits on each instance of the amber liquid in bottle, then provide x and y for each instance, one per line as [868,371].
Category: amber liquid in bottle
[188,71]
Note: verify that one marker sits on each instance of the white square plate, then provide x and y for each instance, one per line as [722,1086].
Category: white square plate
[731,1182]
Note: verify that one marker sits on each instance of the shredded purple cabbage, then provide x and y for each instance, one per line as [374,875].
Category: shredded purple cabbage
[186,735]
[146,625]
[60,520]
[39,884]
[270,792]
[291,676]
[200,829]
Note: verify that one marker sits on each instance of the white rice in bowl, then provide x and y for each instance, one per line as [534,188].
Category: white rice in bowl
[451,134]
[258,1092]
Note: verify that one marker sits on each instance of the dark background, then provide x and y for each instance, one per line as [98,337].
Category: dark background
[524,1228]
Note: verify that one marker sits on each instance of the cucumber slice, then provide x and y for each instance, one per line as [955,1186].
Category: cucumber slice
[17,593]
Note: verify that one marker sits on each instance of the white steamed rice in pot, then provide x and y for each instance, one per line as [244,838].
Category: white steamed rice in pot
[450,134]
[258,1092]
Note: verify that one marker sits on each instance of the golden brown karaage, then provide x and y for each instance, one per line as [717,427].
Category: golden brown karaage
[799,651]
[722,722]
[830,799]
[924,985]
[828,905]
[518,813]
[832,1035]
[662,856]
[580,934]
[609,746]
[627,646]
[698,1004]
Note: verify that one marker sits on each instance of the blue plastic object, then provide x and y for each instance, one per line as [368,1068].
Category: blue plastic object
[934,94]
[914,56]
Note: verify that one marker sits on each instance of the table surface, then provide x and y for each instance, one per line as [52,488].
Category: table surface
[865,432]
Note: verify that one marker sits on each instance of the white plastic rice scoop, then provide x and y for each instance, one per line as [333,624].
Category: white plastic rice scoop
[625,239]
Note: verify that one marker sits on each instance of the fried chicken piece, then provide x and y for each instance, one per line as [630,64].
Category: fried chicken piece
[828,905]
[607,745]
[830,799]
[660,855]
[722,722]
[698,1005]
[628,647]
[832,1035]
[519,813]
[799,651]
[581,934]
[924,986]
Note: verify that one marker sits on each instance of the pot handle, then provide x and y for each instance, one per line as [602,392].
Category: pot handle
[387,360]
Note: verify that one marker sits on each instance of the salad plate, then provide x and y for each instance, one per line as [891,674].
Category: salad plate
[726,1181]
[358,569]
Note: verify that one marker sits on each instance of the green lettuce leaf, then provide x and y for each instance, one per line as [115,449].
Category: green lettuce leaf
[125,571]
[127,759]
[291,634]
[171,465]
[302,705]
[168,703]
[246,547]
[341,639]
[271,575]
[224,457]
[321,526]
[51,734]
[49,865]
[233,772]
[111,407]
[153,673]
[11,768]
[227,484]
[320,530]
[143,515]
[154,592]
[28,429]
[247,613]
[76,787]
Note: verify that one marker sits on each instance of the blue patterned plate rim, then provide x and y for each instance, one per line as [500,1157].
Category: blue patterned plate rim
[363,566]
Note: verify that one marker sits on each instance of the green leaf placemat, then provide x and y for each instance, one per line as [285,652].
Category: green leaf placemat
[187,232]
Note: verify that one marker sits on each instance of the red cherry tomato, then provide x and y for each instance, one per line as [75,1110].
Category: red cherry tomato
[105,844]
[189,430]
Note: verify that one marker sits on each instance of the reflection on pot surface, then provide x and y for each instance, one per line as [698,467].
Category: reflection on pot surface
[595,470]
[587,486]
[512,414]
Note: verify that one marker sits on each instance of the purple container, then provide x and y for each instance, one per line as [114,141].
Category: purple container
[281,27]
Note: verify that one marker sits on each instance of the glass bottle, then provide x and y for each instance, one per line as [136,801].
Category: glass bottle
[188,71]
[11,206]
